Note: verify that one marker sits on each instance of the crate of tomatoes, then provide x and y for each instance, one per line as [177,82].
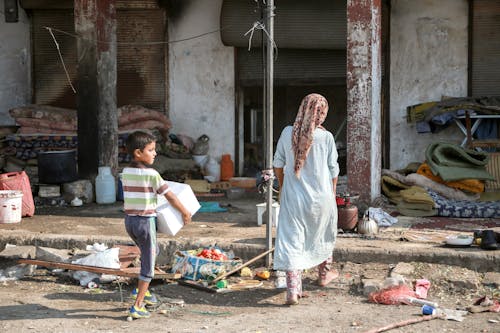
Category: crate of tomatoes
[203,263]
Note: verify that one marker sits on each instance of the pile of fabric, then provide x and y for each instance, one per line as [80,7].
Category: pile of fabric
[44,119]
[436,115]
[448,183]
[46,128]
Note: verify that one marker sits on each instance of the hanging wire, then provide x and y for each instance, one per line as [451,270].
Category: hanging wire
[138,43]
[258,25]
[62,60]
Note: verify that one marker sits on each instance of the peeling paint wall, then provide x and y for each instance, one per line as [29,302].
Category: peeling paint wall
[428,60]
[363,98]
[201,80]
[15,64]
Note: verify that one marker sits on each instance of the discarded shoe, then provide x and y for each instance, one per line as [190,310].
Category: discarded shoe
[138,313]
[149,298]
[489,240]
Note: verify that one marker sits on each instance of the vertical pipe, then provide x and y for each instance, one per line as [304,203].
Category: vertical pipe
[269,121]
[241,130]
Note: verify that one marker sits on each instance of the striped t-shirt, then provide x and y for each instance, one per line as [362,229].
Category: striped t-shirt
[141,185]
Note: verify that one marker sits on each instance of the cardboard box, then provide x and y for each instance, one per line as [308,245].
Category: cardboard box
[196,268]
[169,219]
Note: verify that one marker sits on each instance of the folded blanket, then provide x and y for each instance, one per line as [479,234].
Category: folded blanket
[422,181]
[469,185]
[416,194]
[417,212]
[415,205]
[453,162]
[391,188]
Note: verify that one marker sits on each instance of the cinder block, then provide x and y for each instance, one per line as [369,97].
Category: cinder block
[18,252]
[51,254]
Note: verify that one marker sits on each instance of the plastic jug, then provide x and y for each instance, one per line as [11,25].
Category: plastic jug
[226,167]
[213,169]
[105,187]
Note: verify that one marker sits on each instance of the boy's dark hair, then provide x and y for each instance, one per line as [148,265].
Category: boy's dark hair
[138,140]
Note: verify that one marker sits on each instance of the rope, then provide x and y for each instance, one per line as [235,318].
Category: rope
[61,57]
[257,25]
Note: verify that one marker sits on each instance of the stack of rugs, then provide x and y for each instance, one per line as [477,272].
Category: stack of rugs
[47,128]
[448,183]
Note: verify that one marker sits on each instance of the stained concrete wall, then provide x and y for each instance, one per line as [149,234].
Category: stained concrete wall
[15,64]
[201,83]
[428,60]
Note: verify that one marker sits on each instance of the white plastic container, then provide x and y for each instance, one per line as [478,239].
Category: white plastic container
[10,206]
[262,208]
[169,219]
[213,169]
[200,160]
[105,187]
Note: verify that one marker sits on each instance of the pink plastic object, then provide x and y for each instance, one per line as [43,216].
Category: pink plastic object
[19,181]
[421,287]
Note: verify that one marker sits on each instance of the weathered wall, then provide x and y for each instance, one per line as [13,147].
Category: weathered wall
[201,80]
[15,63]
[428,60]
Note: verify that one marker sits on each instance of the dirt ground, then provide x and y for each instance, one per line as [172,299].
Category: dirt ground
[54,302]
[50,302]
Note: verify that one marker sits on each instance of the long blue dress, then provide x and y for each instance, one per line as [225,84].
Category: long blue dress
[307,222]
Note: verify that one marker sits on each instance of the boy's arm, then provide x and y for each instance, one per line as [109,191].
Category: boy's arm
[174,201]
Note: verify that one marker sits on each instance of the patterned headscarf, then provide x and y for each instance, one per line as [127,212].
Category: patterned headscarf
[312,113]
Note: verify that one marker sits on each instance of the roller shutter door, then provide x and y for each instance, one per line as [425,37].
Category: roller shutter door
[141,70]
[485,62]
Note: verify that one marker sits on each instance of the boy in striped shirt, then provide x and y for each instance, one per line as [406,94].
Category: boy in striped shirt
[141,185]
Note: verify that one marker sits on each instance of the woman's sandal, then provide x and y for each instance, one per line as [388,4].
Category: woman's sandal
[292,299]
[326,274]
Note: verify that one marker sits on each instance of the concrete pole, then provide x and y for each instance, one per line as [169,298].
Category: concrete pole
[364,98]
[95,23]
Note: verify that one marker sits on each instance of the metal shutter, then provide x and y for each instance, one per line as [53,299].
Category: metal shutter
[320,24]
[294,66]
[50,85]
[141,68]
[485,62]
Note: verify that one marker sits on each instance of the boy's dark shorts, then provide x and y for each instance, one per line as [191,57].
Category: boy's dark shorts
[142,230]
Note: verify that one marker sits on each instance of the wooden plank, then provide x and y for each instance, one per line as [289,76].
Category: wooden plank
[127,254]
[132,272]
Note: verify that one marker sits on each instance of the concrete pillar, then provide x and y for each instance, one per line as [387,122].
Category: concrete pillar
[364,98]
[95,23]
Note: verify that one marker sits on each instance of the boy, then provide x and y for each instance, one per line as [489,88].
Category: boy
[141,185]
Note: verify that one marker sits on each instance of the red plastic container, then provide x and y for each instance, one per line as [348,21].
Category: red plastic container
[226,167]
[19,181]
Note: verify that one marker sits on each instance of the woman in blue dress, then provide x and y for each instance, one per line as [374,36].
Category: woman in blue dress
[306,166]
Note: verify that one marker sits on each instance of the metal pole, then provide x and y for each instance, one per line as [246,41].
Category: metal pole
[269,19]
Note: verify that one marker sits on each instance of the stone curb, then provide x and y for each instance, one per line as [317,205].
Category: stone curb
[346,249]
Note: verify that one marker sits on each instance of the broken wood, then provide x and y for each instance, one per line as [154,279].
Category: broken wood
[254,259]
[132,272]
[402,323]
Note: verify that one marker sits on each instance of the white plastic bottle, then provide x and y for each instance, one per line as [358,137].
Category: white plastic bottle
[213,169]
[105,187]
